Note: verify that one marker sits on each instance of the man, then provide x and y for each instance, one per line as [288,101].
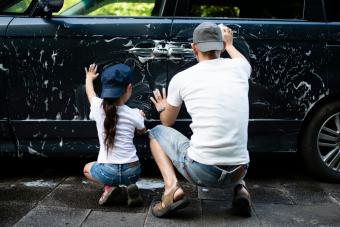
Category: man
[215,92]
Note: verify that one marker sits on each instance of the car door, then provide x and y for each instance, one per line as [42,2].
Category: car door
[287,54]
[7,140]
[333,44]
[46,92]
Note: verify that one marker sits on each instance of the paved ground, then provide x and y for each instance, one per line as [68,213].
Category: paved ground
[35,193]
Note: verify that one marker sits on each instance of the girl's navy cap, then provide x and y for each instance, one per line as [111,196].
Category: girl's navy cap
[114,80]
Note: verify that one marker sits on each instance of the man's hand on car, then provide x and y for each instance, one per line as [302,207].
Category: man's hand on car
[160,100]
[227,34]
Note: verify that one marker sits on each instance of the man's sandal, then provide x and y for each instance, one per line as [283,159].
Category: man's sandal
[241,201]
[170,205]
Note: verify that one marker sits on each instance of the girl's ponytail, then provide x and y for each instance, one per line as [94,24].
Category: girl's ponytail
[110,122]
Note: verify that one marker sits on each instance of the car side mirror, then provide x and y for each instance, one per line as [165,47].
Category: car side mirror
[45,8]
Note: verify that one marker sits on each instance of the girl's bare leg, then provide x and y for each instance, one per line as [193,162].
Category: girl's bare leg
[87,173]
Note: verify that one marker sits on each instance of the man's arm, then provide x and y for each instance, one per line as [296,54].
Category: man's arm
[168,113]
[234,53]
[91,75]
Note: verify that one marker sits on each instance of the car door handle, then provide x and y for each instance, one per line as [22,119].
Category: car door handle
[180,53]
[141,52]
[143,49]
[160,52]
[148,49]
[149,52]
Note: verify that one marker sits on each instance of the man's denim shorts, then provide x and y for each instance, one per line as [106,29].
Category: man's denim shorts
[175,145]
[116,174]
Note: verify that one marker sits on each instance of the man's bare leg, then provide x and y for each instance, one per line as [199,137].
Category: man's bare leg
[166,168]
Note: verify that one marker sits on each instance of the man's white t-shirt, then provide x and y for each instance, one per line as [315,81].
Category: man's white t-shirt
[215,93]
[123,151]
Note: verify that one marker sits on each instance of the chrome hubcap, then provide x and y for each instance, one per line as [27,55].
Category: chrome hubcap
[329,142]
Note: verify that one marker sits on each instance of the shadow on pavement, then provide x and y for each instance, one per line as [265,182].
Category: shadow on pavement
[264,165]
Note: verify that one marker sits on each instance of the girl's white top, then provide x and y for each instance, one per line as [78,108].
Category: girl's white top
[123,151]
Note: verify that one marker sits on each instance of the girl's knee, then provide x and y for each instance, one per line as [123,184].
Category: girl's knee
[87,168]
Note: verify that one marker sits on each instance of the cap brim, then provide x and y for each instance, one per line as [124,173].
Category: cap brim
[112,93]
[208,46]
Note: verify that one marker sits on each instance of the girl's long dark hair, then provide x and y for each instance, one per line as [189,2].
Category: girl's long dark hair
[110,122]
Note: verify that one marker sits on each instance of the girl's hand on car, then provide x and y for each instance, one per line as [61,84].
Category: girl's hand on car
[227,34]
[91,72]
[141,131]
[141,112]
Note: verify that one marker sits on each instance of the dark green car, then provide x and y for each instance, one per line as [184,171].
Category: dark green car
[293,47]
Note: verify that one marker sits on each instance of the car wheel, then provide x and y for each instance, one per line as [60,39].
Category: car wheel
[320,144]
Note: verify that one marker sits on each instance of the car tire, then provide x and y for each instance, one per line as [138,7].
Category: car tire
[320,143]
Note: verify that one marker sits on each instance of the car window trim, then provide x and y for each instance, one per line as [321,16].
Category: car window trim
[163,6]
[324,10]
[110,17]
[243,18]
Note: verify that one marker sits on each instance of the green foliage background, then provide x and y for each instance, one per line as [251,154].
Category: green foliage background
[68,4]
[124,8]
[214,11]
[20,7]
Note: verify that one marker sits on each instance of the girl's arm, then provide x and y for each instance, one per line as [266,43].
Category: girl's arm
[143,130]
[91,75]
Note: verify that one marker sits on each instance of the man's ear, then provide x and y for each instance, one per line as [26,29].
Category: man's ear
[194,49]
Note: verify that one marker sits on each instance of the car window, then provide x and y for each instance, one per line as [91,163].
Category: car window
[67,5]
[267,9]
[19,6]
[332,10]
[107,8]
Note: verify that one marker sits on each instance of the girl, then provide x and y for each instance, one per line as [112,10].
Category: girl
[117,162]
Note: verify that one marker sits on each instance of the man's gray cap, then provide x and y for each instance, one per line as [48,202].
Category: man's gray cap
[208,36]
